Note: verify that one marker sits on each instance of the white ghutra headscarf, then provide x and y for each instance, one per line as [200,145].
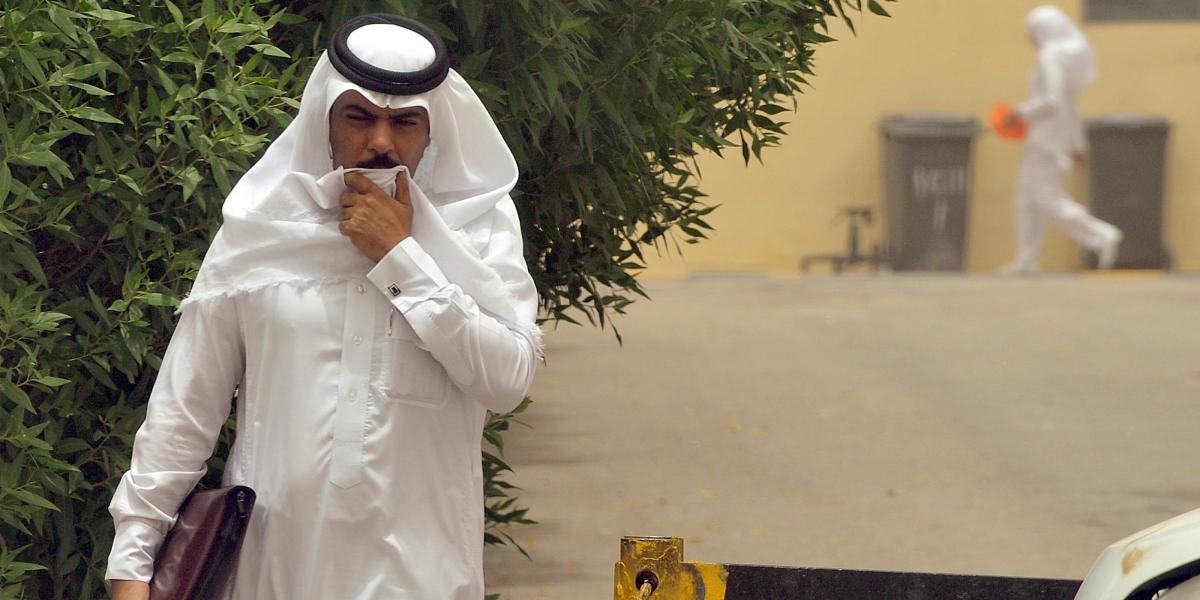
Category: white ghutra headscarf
[281,219]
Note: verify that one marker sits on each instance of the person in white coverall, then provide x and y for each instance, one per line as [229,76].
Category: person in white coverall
[1065,66]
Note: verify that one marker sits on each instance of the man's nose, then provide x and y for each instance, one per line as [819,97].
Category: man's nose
[379,140]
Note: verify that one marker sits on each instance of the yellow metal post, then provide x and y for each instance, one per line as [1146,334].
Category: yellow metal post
[652,560]
[655,565]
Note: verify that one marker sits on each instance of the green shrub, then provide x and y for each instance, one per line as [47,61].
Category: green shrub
[124,123]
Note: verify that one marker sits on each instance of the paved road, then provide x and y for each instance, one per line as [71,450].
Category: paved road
[936,423]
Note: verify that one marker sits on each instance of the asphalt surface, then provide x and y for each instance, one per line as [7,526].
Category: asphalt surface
[958,424]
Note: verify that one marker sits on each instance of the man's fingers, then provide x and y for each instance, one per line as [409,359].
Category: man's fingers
[402,188]
[348,199]
[360,184]
[349,226]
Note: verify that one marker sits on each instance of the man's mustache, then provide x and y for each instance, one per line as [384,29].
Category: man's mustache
[378,162]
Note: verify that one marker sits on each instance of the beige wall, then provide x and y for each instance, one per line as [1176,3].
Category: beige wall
[958,56]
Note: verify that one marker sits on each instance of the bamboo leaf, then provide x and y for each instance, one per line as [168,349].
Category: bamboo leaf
[16,394]
[31,64]
[93,114]
[32,499]
[105,14]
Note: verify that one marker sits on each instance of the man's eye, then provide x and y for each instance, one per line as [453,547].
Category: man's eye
[405,122]
[358,117]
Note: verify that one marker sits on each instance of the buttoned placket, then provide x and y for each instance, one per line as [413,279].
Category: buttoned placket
[350,415]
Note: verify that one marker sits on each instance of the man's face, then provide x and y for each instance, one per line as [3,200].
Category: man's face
[362,134]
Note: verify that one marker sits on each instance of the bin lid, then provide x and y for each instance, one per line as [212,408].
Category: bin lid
[929,125]
[1128,121]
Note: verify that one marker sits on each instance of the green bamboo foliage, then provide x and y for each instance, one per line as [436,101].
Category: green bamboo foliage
[123,125]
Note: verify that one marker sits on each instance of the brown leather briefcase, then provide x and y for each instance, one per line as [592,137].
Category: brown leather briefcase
[200,551]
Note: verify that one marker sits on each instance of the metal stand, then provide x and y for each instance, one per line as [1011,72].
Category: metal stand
[857,216]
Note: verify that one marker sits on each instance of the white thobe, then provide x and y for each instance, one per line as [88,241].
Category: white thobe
[360,407]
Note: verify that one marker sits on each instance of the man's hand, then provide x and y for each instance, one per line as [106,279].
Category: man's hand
[123,589]
[375,221]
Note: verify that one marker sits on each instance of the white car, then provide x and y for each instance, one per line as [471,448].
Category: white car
[1160,563]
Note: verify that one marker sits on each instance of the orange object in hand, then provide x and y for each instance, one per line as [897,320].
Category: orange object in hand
[1006,123]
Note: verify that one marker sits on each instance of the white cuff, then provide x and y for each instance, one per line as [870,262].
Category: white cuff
[407,274]
[135,545]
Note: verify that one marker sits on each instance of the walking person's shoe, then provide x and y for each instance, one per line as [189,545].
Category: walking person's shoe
[1107,256]
[1017,269]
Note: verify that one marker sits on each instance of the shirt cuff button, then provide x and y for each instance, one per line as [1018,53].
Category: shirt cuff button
[393,289]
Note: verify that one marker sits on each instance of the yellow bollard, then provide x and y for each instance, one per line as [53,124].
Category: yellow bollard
[652,568]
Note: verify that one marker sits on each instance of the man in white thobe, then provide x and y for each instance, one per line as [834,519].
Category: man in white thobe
[368,300]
